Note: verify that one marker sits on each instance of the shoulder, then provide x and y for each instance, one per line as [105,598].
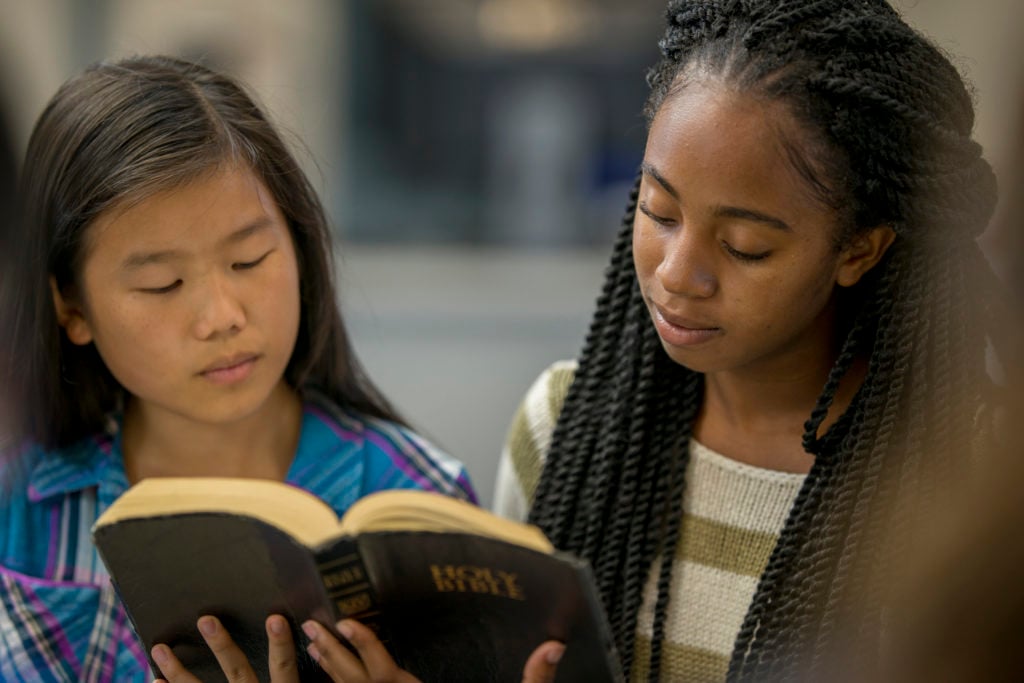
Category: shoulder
[539,410]
[529,439]
[17,463]
[47,494]
[538,413]
[56,594]
[30,472]
[382,453]
[404,455]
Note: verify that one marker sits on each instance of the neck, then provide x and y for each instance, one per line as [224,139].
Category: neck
[757,401]
[757,415]
[261,445]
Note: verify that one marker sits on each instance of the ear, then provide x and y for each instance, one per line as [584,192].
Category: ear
[70,315]
[863,252]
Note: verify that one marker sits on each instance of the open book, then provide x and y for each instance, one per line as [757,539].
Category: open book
[455,592]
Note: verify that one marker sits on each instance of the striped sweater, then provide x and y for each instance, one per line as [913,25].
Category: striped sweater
[732,516]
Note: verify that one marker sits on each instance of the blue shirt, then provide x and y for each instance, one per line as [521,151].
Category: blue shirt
[60,619]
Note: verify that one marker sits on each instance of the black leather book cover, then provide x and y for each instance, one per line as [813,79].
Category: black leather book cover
[461,607]
[449,606]
[169,571]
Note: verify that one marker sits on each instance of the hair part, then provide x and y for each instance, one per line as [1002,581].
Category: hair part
[114,135]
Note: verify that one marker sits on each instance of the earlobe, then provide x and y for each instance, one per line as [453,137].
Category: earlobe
[863,253]
[70,316]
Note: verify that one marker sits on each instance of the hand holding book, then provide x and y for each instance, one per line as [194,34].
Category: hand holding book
[372,664]
[449,591]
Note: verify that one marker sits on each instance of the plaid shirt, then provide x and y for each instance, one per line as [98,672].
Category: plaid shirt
[60,619]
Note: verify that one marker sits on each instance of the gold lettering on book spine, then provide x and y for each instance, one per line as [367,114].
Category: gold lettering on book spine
[360,602]
[347,585]
[450,578]
[346,576]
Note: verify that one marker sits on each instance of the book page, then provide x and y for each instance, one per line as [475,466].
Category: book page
[410,510]
[295,511]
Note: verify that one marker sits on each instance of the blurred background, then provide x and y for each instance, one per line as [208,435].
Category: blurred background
[475,157]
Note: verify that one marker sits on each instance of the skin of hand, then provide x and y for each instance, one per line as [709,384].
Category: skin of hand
[373,665]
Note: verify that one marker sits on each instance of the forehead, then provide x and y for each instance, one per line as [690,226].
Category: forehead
[732,142]
[195,213]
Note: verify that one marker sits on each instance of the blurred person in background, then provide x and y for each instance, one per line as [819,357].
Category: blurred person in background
[955,589]
[955,596]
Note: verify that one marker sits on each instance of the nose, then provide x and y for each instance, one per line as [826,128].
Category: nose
[219,310]
[686,266]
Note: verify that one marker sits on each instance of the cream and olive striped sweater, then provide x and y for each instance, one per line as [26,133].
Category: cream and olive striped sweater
[732,516]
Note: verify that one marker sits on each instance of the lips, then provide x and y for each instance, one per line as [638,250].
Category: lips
[683,322]
[681,331]
[229,362]
[231,370]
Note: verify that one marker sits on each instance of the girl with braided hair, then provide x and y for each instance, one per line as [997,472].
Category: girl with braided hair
[792,329]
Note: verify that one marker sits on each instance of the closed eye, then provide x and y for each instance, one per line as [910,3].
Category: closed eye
[247,265]
[743,255]
[660,220]
[162,290]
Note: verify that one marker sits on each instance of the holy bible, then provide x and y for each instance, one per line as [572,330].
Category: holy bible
[455,592]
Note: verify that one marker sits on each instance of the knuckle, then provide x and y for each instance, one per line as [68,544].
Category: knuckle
[282,662]
[388,674]
[237,674]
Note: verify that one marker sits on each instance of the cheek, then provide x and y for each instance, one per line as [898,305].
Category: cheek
[800,300]
[646,253]
[132,326]
[784,297]
[137,346]
[284,300]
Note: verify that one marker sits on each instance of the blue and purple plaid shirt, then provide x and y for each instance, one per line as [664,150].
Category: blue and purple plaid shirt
[60,619]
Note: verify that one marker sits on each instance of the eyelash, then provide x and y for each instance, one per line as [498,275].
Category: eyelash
[735,253]
[664,222]
[744,256]
[248,265]
[164,290]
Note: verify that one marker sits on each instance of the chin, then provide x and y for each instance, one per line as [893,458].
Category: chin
[695,361]
[233,408]
[690,361]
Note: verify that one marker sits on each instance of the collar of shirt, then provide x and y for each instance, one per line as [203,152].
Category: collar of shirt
[97,461]
[92,462]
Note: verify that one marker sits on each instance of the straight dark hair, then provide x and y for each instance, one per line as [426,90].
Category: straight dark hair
[8,414]
[111,136]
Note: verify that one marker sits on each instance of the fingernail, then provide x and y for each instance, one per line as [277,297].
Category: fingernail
[345,629]
[277,626]
[208,625]
[309,628]
[554,655]
[313,652]
[160,654]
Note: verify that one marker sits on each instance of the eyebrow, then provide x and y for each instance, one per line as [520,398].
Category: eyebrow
[647,169]
[728,211]
[249,229]
[140,259]
[750,215]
